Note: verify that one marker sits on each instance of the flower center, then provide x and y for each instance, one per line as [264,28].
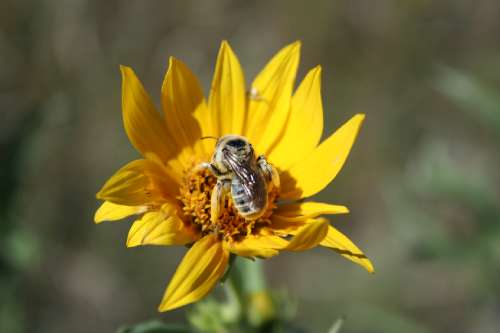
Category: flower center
[195,193]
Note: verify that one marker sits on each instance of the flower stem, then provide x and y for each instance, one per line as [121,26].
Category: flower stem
[233,308]
[248,301]
[251,274]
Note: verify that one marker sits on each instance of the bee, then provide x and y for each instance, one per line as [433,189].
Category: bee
[239,173]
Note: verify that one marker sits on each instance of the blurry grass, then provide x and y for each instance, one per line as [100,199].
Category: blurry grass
[476,190]
[376,319]
[476,98]
[154,326]
[18,247]
[337,325]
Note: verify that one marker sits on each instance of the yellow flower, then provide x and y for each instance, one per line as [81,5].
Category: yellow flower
[172,198]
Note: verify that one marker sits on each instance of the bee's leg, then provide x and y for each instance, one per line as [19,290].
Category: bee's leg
[269,171]
[205,165]
[221,189]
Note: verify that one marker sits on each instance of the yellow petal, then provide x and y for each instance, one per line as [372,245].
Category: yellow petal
[181,96]
[309,236]
[305,124]
[143,124]
[263,246]
[343,245]
[162,227]
[140,182]
[227,97]
[284,225]
[317,170]
[113,212]
[288,218]
[270,96]
[197,274]
[309,209]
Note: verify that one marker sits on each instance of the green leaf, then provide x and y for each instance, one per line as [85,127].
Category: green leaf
[154,326]
[473,96]
[337,325]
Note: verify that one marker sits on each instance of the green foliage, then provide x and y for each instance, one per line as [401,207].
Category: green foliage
[154,326]
[476,98]
[337,325]
[249,307]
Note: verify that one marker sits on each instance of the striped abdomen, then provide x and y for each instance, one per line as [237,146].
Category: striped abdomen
[249,199]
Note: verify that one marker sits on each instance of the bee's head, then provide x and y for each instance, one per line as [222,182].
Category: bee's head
[235,145]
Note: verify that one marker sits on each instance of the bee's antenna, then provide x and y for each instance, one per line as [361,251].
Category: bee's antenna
[208,137]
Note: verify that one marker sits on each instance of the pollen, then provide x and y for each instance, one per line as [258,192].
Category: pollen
[195,193]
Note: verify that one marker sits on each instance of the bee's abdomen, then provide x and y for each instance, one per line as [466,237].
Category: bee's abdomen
[248,206]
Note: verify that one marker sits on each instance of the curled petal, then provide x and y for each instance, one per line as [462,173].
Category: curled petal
[318,169]
[200,269]
[339,242]
[113,212]
[270,96]
[284,225]
[262,246]
[140,182]
[143,124]
[162,227]
[309,236]
[227,98]
[309,209]
[305,123]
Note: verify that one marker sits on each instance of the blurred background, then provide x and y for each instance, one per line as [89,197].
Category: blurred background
[422,181]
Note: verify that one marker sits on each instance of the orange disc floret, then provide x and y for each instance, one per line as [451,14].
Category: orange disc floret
[195,194]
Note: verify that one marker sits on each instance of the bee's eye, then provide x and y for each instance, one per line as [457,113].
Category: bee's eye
[236,143]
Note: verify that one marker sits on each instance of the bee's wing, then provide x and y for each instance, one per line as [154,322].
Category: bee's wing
[245,174]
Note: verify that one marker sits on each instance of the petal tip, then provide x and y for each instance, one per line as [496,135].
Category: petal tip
[130,242]
[125,69]
[166,306]
[317,70]
[296,45]
[293,49]
[224,45]
[367,264]
[97,219]
[171,62]
[360,117]
[369,267]
[127,74]
[344,210]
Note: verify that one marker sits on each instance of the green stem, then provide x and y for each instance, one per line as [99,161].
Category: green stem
[234,300]
[244,279]
[251,274]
